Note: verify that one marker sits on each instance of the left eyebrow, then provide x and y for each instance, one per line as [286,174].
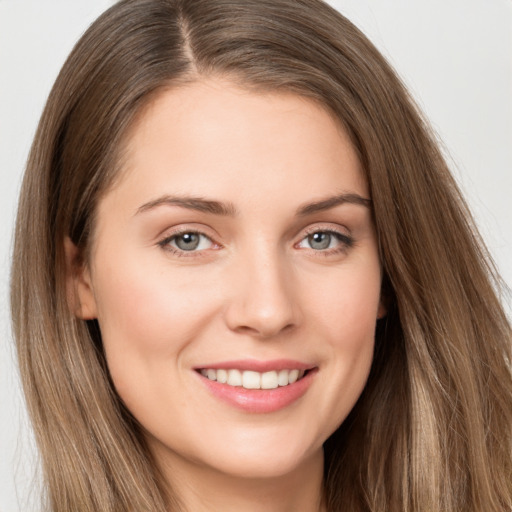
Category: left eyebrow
[331,202]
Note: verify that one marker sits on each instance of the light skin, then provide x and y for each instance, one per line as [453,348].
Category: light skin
[240,229]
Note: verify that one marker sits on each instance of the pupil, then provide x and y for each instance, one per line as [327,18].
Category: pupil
[319,240]
[187,241]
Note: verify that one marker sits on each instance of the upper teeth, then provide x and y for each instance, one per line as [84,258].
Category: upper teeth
[254,380]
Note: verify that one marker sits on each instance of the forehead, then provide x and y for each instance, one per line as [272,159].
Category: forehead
[207,136]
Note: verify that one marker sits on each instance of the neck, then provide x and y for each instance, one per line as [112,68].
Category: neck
[203,489]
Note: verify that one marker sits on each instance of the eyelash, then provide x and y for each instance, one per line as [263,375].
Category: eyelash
[345,242]
[165,243]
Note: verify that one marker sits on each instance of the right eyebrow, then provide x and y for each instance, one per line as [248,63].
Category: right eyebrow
[192,203]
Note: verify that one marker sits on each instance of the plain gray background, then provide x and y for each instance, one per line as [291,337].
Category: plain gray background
[455,55]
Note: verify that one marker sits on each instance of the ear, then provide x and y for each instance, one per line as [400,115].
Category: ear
[382,310]
[385,298]
[80,293]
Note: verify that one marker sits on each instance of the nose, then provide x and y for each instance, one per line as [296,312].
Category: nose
[262,303]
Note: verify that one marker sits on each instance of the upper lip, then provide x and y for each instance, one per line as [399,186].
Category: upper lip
[258,365]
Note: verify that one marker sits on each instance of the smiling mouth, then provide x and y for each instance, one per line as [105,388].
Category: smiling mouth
[253,380]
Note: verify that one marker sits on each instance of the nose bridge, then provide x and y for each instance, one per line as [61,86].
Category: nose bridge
[263,302]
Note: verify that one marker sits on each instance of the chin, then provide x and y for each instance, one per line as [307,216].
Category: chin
[267,466]
[265,455]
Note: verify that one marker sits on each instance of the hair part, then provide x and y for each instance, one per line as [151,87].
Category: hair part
[432,429]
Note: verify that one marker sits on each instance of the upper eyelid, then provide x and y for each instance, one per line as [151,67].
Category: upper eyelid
[343,237]
[172,236]
[323,228]
[174,231]
[317,229]
[165,244]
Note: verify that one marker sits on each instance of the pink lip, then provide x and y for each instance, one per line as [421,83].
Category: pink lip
[260,400]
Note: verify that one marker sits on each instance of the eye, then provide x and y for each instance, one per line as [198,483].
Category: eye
[188,241]
[325,240]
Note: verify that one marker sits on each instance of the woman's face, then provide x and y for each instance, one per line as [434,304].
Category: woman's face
[236,252]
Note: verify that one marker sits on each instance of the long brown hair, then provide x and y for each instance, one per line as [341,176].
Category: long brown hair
[433,427]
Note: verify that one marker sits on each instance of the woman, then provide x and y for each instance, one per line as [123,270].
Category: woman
[243,276]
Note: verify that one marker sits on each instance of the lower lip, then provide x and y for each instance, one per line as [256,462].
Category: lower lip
[260,400]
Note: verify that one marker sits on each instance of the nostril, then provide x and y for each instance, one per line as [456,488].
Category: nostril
[261,305]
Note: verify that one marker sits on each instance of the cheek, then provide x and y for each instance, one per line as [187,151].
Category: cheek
[147,318]
[141,303]
[347,304]
[345,310]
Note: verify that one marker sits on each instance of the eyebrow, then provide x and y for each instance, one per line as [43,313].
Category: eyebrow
[228,209]
[332,202]
[191,203]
